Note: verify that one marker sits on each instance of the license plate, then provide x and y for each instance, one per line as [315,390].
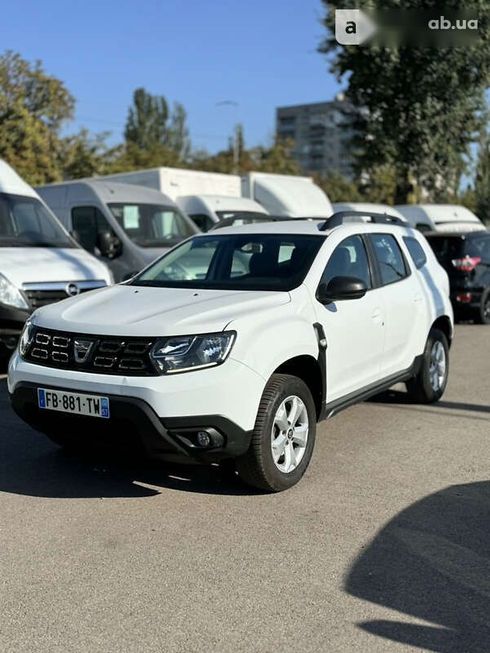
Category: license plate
[73,402]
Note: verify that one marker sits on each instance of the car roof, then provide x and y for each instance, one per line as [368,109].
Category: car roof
[307,226]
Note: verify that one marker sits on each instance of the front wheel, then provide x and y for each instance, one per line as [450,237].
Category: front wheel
[429,384]
[283,438]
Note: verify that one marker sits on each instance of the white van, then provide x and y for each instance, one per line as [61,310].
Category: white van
[440,217]
[207,210]
[126,226]
[206,197]
[40,263]
[287,195]
[370,207]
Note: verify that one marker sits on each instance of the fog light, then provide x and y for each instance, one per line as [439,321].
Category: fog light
[203,439]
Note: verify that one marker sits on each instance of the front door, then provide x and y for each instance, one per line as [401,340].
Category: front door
[354,328]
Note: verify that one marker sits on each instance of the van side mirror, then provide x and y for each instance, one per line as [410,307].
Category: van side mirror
[340,288]
[109,244]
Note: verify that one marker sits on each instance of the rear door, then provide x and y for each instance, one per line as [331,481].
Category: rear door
[403,302]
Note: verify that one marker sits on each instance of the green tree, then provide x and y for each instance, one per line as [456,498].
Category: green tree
[338,187]
[33,107]
[420,107]
[85,155]
[482,179]
[150,126]
[146,125]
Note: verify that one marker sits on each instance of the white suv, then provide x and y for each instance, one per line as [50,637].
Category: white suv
[237,342]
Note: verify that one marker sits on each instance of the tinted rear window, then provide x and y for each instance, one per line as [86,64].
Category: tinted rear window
[447,248]
[451,247]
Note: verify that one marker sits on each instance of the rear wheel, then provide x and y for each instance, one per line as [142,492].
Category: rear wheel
[483,315]
[283,438]
[429,384]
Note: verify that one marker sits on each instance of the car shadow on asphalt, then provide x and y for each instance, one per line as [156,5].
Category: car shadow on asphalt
[432,562]
[31,465]
[402,398]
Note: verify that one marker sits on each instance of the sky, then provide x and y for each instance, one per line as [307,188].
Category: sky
[226,61]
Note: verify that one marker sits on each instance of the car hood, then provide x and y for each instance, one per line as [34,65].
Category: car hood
[37,264]
[125,310]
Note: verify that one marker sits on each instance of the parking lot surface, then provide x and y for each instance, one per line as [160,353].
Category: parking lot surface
[383,546]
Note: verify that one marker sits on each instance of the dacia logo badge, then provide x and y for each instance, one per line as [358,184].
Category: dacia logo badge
[82,349]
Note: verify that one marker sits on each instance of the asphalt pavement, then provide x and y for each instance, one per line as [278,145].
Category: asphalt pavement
[383,546]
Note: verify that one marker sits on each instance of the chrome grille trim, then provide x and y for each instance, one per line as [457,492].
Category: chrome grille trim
[92,353]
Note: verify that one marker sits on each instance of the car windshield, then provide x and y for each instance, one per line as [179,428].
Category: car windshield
[235,262]
[152,225]
[26,222]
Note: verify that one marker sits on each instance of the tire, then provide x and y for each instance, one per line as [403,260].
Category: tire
[429,384]
[483,314]
[293,447]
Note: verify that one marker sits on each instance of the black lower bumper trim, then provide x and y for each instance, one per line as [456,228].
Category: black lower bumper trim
[134,423]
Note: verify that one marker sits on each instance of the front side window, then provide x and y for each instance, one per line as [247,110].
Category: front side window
[26,222]
[88,224]
[349,259]
[202,221]
[236,262]
[151,225]
[389,257]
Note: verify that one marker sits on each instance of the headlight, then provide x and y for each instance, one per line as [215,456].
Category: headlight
[184,353]
[26,338]
[11,295]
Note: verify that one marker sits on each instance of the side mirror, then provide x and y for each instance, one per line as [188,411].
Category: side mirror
[340,288]
[75,235]
[109,244]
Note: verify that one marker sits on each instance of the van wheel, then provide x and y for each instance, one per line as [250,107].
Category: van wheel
[429,384]
[283,438]
[483,315]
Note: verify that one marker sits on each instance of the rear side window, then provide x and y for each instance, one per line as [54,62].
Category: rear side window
[416,251]
[391,262]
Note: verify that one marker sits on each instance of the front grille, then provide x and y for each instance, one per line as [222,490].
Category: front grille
[91,353]
[38,298]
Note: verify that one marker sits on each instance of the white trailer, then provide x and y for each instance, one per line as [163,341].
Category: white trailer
[177,182]
[287,195]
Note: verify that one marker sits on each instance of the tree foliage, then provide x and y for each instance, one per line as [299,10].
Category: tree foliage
[151,126]
[482,179]
[420,107]
[33,107]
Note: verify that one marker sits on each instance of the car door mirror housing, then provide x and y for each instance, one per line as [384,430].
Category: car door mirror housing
[109,245]
[340,288]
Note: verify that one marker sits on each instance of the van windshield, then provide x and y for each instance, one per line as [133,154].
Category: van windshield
[152,225]
[235,262]
[26,222]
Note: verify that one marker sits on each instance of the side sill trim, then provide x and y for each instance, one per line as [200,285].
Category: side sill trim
[372,389]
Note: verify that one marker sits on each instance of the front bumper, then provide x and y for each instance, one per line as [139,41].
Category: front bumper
[165,412]
[134,424]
